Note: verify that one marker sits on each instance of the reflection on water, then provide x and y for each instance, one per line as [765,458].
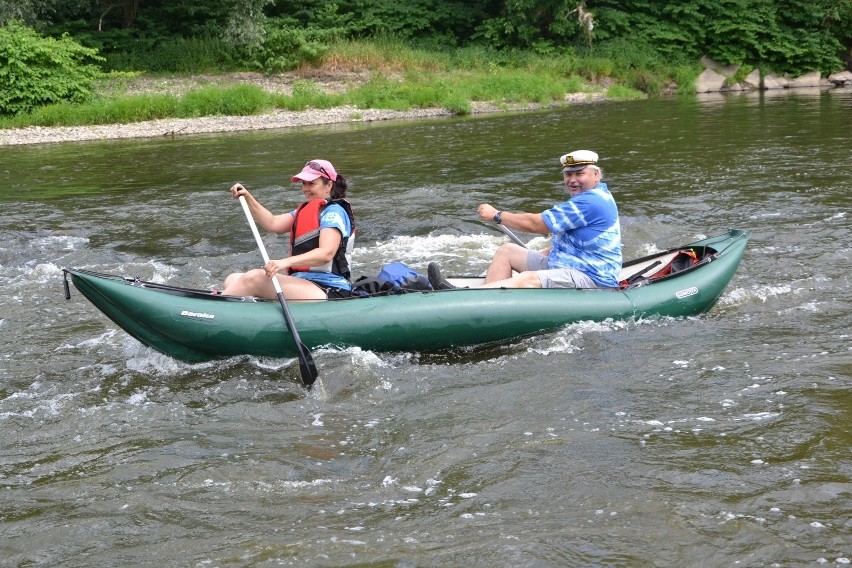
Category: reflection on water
[589,446]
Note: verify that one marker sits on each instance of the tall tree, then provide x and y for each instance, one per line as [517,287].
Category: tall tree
[38,13]
[245,27]
[129,11]
[25,11]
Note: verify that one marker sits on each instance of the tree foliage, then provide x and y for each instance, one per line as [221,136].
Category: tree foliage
[442,22]
[25,11]
[787,36]
[39,13]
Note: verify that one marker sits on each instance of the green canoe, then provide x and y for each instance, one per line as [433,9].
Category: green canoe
[196,325]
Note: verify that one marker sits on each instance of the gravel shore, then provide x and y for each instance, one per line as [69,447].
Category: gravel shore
[184,126]
[278,119]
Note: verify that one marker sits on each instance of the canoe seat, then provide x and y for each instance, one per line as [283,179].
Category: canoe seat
[466,281]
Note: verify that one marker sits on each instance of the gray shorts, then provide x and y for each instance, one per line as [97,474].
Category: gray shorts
[557,277]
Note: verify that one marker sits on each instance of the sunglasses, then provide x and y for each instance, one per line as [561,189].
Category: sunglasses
[318,168]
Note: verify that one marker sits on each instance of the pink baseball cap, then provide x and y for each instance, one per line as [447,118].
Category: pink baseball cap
[315,169]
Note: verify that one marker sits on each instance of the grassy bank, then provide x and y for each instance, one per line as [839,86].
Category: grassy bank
[395,77]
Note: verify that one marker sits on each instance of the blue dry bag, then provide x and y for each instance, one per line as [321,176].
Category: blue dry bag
[403,276]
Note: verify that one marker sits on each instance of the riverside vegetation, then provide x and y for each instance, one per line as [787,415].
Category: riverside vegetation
[365,74]
[375,54]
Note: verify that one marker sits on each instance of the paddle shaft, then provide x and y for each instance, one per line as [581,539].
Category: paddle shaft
[512,235]
[306,362]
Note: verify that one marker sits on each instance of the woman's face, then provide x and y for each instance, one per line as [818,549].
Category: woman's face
[319,188]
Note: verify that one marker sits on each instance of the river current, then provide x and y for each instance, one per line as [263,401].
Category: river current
[719,440]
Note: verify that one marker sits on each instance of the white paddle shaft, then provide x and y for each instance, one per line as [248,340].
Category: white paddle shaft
[262,248]
[512,235]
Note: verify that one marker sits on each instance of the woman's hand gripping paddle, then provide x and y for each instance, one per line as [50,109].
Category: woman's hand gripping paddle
[306,362]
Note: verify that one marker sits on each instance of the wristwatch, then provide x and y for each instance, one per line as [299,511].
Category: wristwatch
[498,217]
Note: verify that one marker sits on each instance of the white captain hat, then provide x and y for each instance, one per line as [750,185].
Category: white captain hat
[578,160]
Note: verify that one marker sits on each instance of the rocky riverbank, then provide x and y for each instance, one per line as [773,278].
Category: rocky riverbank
[721,78]
[211,124]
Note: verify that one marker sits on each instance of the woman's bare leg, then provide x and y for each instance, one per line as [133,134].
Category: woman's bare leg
[255,283]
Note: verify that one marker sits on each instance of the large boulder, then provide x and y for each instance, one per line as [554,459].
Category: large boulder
[773,81]
[811,79]
[726,70]
[715,77]
[752,80]
[709,82]
[842,79]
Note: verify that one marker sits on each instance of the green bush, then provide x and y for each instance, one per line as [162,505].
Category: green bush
[286,48]
[37,71]
[684,77]
[624,93]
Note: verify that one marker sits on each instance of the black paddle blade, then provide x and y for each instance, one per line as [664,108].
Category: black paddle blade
[307,367]
[306,361]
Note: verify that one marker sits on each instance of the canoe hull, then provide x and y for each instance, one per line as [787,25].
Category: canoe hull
[194,326]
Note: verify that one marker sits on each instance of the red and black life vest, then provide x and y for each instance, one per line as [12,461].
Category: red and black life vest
[304,236]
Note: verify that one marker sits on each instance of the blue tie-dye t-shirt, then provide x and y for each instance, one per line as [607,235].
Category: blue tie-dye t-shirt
[587,235]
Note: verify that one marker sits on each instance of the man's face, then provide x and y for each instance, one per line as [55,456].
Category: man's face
[578,182]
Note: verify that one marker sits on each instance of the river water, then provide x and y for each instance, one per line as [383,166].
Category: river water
[720,440]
